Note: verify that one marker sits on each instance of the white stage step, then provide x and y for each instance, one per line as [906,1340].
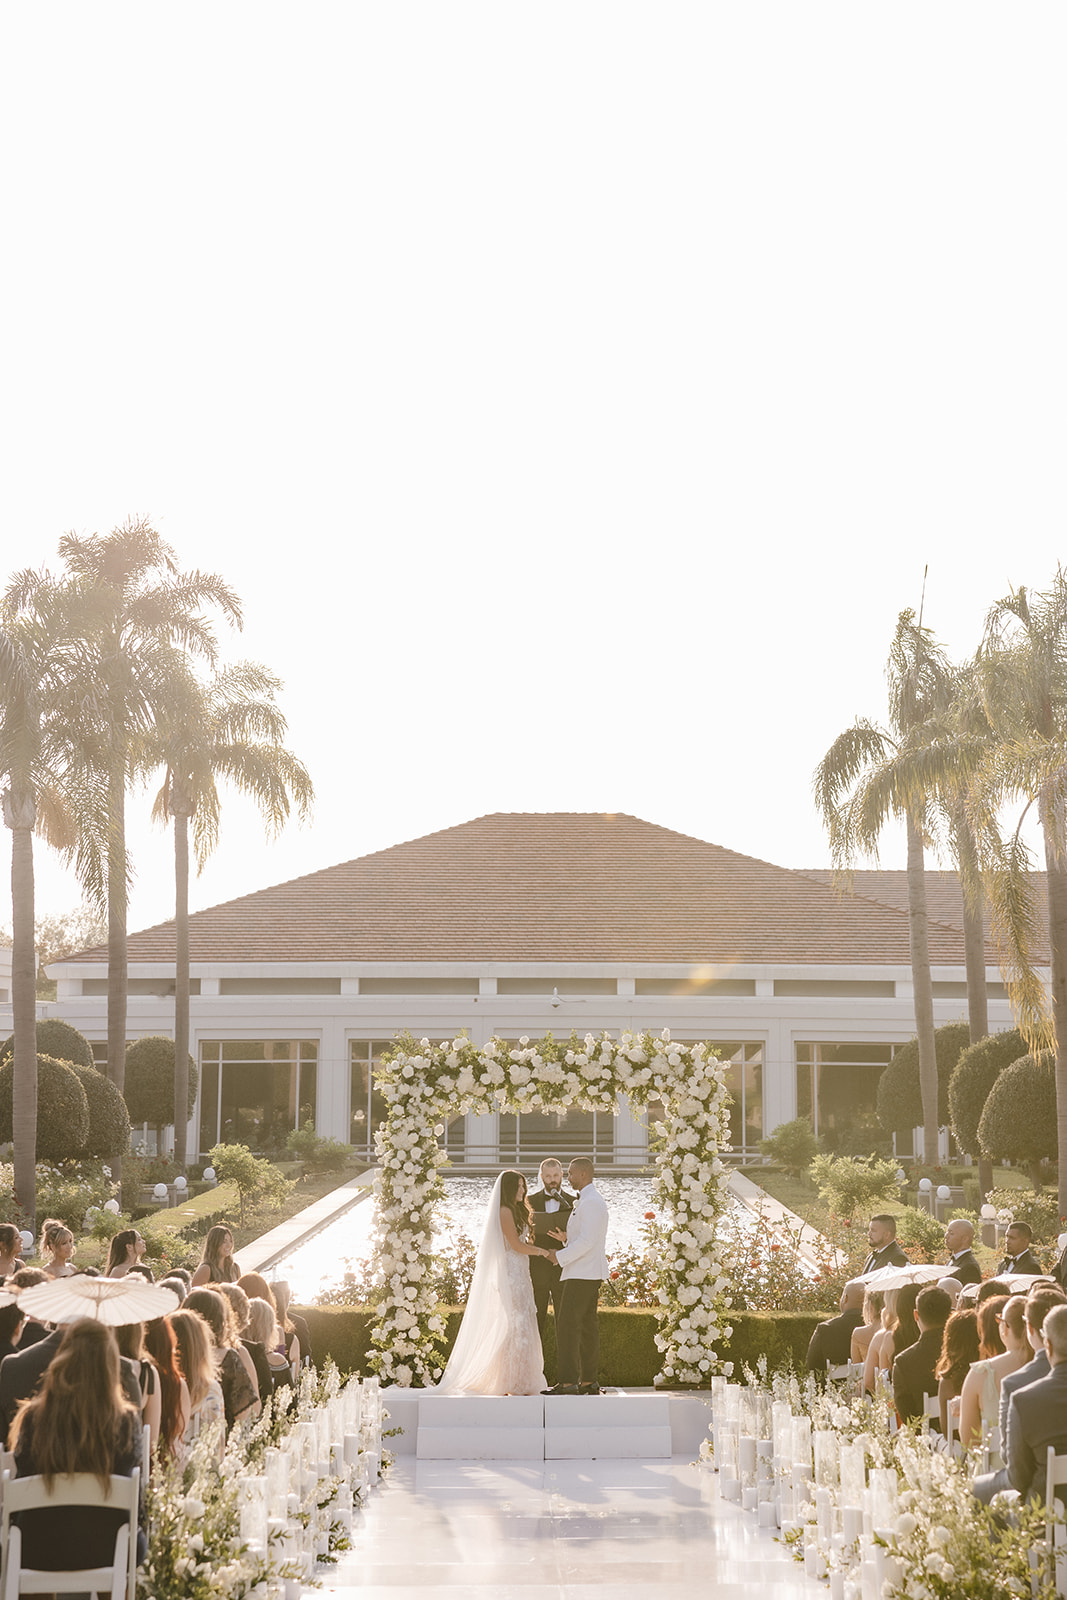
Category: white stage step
[615,1425]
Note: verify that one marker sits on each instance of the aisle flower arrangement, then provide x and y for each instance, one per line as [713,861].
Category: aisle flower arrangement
[883,1513]
[254,1511]
[425,1084]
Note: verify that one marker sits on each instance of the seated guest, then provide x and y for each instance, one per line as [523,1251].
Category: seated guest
[913,1367]
[216,1264]
[174,1404]
[872,1362]
[873,1300]
[55,1248]
[10,1249]
[126,1251]
[1038,1304]
[831,1340]
[130,1339]
[952,1287]
[175,1285]
[21,1375]
[1018,1256]
[977,1294]
[290,1323]
[1037,1414]
[882,1238]
[959,1242]
[196,1360]
[184,1274]
[237,1375]
[140,1270]
[958,1352]
[263,1326]
[81,1421]
[32,1330]
[1000,1323]
[256,1287]
[239,1304]
[903,1329]
[12,1322]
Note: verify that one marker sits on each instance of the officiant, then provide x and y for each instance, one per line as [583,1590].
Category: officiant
[551,1206]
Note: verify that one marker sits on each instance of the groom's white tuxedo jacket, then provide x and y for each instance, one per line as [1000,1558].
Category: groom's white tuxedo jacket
[583,1256]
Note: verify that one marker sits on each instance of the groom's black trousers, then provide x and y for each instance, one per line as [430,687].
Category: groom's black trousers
[577,1334]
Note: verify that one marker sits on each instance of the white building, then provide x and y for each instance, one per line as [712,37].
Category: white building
[516,924]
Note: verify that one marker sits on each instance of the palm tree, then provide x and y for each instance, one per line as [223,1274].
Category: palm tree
[124,618]
[870,774]
[1022,675]
[231,729]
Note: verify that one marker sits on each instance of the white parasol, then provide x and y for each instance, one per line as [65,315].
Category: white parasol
[897,1277]
[114,1301]
[1023,1282]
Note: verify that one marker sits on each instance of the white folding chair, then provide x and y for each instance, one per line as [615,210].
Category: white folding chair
[118,1579]
[931,1410]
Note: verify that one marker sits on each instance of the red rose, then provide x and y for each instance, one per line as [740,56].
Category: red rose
[649,1216]
[614,1275]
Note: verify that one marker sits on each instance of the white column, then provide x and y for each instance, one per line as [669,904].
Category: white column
[779,1076]
[482,1137]
[631,1137]
[331,1082]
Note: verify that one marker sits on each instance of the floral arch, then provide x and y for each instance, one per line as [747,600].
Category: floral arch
[424,1084]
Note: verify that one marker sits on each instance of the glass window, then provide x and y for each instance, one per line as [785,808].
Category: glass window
[837,1090]
[366,1106]
[256,1091]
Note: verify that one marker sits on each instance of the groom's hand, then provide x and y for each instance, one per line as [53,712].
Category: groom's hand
[552,1258]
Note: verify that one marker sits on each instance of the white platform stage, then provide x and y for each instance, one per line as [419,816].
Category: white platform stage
[635,1424]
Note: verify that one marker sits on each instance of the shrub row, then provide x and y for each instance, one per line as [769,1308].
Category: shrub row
[628,1354]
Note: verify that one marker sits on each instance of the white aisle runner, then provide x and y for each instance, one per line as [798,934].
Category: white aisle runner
[560,1530]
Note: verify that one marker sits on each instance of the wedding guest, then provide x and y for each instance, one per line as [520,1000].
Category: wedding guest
[992,1289]
[55,1247]
[1018,1256]
[959,1351]
[141,1270]
[292,1322]
[873,1301]
[33,1331]
[130,1339]
[980,1395]
[216,1264]
[831,1341]
[10,1249]
[126,1251]
[914,1366]
[953,1288]
[882,1238]
[175,1406]
[81,1421]
[196,1358]
[263,1327]
[184,1274]
[175,1285]
[872,1363]
[21,1373]
[239,1306]
[959,1242]
[256,1287]
[1037,1414]
[903,1330]
[12,1322]
[1039,1303]
[237,1375]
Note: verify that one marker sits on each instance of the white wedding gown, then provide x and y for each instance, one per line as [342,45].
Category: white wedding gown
[498,1348]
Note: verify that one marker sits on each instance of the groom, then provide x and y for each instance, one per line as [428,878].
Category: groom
[584,1266]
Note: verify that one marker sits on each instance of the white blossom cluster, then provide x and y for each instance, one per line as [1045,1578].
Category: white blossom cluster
[425,1084]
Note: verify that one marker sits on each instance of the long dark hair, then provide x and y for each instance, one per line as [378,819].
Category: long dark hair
[162,1346]
[80,1414]
[905,1329]
[959,1348]
[222,1267]
[120,1245]
[510,1201]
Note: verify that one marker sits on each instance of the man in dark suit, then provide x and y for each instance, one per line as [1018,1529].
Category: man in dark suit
[551,1206]
[913,1368]
[882,1238]
[831,1341]
[962,1261]
[1038,1305]
[1018,1256]
[1037,1415]
[21,1374]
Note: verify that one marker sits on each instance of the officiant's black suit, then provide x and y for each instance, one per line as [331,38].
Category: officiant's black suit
[544,1274]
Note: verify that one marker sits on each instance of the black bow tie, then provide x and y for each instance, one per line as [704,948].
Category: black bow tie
[553,1194]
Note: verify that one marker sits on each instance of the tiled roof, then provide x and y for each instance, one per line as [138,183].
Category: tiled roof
[944,901]
[544,887]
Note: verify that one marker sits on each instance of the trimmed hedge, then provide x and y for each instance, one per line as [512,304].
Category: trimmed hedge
[628,1354]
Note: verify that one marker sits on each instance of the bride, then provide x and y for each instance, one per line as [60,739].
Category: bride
[498,1348]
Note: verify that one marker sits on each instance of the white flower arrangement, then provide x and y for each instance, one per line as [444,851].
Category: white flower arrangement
[424,1084]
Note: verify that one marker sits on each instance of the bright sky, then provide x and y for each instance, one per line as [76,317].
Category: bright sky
[574,393]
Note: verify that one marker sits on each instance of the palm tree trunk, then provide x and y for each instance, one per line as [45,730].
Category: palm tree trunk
[181,989]
[922,985]
[117,965]
[974,955]
[1056,866]
[20,818]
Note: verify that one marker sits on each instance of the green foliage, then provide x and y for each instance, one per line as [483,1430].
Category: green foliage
[1040,1210]
[62,1111]
[59,1040]
[109,1121]
[899,1096]
[853,1183]
[319,1155]
[1018,1122]
[258,1181]
[792,1145]
[149,1084]
[69,1193]
[921,1234]
[977,1069]
[168,1247]
[104,1225]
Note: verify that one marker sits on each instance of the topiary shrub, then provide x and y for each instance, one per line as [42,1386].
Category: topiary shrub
[792,1145]
[59,1040]
[900,1103]
[1018,1122]
[149,1085]
[62,1109]
[977,1070]
[109,1120]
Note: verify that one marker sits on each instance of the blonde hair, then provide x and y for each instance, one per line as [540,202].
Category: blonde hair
[51,1229]
[262,1323]
[194,1353]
